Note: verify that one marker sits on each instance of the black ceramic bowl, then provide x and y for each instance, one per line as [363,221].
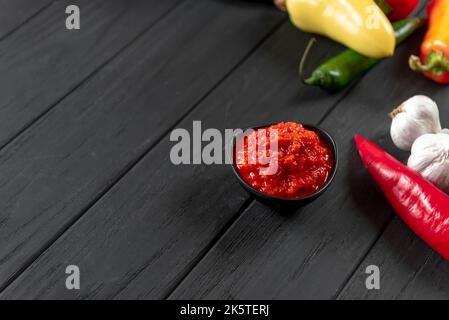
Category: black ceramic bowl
[279,201]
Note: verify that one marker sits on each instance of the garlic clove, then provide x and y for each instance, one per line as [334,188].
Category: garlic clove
[416,116]
[430,157]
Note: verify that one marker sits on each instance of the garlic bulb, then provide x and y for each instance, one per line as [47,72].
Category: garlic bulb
[416,116]
[430,157]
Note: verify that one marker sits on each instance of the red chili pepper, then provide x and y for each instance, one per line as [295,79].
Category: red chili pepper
[424,207]
[434,61]
[398,9]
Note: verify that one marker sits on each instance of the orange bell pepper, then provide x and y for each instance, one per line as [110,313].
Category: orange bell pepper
[434,60]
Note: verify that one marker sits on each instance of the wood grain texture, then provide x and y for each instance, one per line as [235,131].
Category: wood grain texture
[310,254]
[162,225]
[142,238]
[43,61]
[409,269]
[60,166]
[13,14]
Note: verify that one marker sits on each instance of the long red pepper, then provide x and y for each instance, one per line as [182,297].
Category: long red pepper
[424,207]
[434,60]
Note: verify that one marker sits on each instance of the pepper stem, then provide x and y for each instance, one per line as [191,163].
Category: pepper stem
[303,62]
[436,62]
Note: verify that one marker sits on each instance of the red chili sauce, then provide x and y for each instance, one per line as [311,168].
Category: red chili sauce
[304,161]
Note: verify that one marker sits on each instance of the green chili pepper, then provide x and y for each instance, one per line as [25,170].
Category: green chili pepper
[340,70]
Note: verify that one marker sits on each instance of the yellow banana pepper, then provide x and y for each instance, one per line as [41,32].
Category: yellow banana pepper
[359,24]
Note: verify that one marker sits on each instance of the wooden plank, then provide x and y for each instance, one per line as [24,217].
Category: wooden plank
[53,172]
[142,238]
[409,269]
[15,13]
[310,254]
[43,61]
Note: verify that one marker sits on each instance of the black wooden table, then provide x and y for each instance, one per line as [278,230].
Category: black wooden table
[86,178]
